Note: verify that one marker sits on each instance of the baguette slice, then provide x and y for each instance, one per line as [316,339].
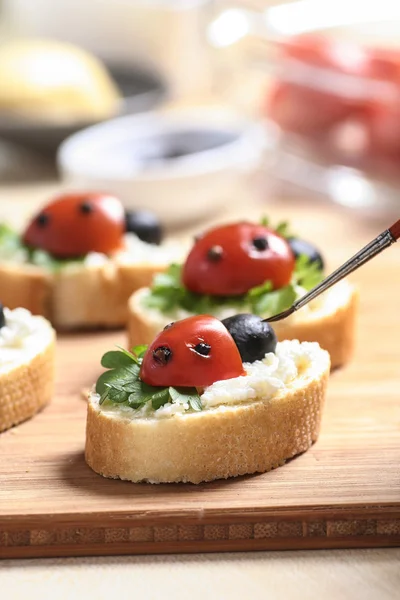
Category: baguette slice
[78,296]
[28,286]
[331,322]
[219,442]
[26,385]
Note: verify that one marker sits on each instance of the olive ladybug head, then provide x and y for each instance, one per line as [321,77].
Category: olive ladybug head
[2,317]
[253,336]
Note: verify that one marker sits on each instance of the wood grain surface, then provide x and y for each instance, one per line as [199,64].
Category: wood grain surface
[344,492]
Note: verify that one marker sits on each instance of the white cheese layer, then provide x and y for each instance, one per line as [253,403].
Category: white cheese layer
[264,377]
[22,337]
[136,251]
[262,380]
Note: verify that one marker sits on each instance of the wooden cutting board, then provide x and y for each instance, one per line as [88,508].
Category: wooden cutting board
[344,492]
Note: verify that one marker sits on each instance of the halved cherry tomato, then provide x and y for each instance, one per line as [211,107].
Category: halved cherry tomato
[230,260]
[78,223]
[193,352]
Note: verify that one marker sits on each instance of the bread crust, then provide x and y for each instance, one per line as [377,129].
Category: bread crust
[77,296]
[27,388]
[334,330]
[213,444]
[26,286]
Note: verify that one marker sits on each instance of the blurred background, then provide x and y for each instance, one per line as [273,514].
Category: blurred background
[181,106]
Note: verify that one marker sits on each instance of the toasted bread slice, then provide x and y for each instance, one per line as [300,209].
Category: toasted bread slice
[219,442]
[26,382]
[77,296]
[28,286]
[330,322]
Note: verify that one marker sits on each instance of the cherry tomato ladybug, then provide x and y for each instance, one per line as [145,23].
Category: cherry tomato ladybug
[194,352]
[78,223]
[232,259]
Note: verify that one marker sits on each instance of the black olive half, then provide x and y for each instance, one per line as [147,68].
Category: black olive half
[253,337]
[2,317]
[145,225]
[301,247]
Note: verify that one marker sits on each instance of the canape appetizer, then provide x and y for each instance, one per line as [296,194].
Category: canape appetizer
[249,267]
[26,365]
[205,401]
[80,258]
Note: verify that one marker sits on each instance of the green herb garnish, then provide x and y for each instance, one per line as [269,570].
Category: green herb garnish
[121,384]
[307,274]
[168,294]
[11,245]
[283,227]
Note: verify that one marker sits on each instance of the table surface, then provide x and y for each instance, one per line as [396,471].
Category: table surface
[366,574]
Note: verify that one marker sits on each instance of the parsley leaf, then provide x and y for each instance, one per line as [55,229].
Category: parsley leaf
[283,227]
[121,384]
[188,395]
[168,294]
[11,244]
[115,359]
[276,301]
[160,398]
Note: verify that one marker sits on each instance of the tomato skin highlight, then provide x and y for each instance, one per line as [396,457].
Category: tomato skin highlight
[241,265]
[184,366]
[75,224]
